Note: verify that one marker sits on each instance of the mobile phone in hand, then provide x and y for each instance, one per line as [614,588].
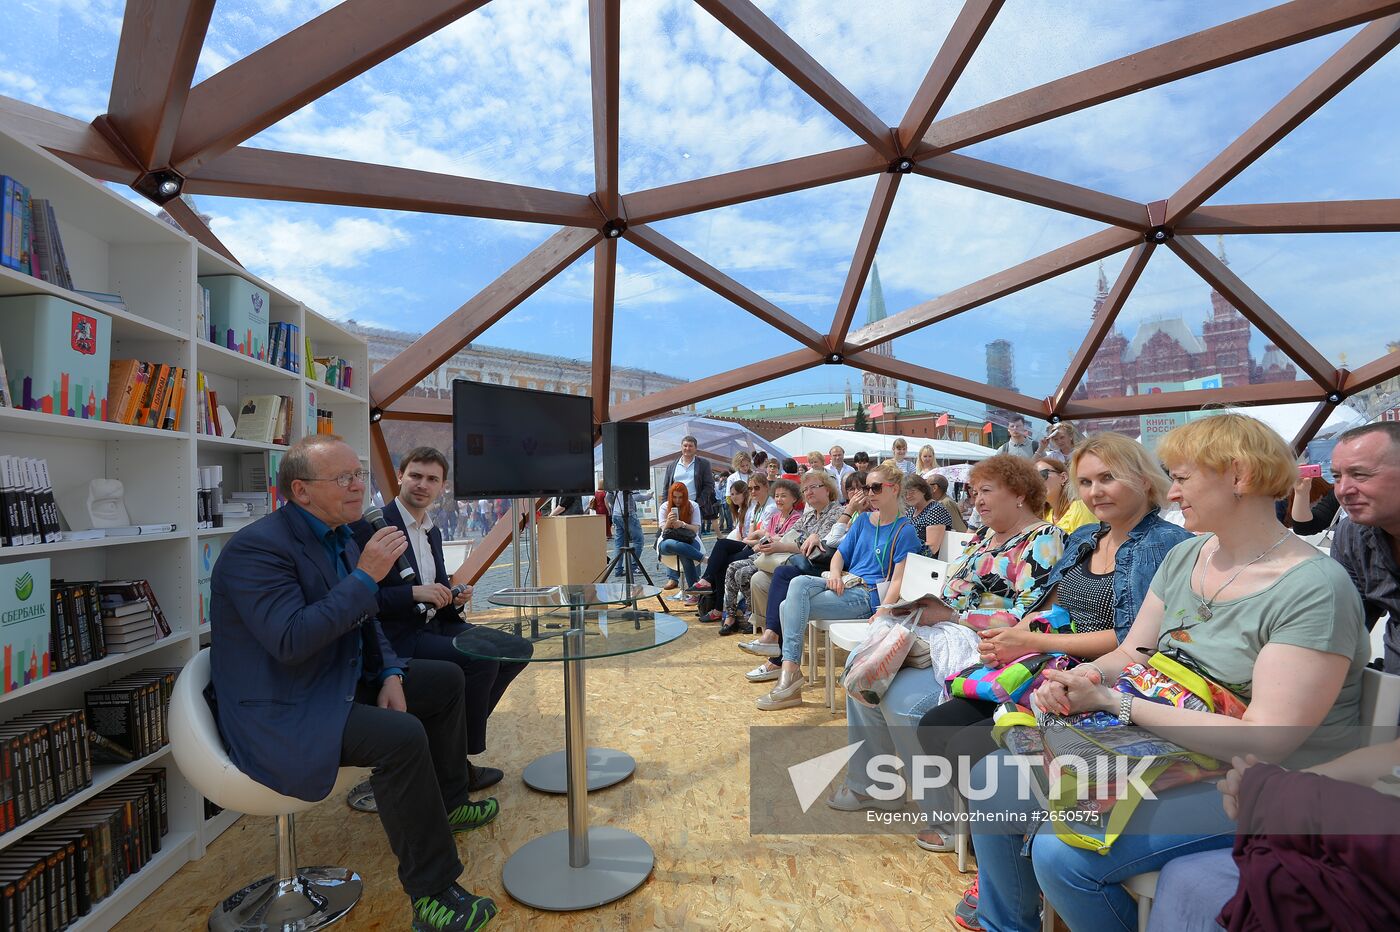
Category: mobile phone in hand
[1310,471]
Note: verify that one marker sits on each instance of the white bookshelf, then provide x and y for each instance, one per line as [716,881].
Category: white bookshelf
[114,246]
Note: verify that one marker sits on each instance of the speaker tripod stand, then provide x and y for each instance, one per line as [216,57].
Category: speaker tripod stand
[625,555]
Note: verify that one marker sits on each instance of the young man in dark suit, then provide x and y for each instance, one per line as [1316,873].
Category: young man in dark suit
[422,477]
[304,682]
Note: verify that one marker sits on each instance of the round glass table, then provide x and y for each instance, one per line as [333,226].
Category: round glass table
[580,867]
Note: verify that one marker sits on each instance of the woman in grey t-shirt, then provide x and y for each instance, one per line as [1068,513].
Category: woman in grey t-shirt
[1248,605]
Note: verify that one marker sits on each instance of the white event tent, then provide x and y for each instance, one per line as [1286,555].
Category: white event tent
[804,439]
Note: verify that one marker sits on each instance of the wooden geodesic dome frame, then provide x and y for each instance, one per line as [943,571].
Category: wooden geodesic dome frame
[164,137]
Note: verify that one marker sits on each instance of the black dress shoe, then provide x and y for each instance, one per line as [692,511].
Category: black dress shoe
[479,778]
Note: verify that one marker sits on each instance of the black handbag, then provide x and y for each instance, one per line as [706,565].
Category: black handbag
[682,534]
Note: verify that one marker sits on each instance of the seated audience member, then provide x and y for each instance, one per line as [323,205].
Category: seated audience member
[742,464]
[873,552]
[1366,462]
[678,535]
[772,469]
[939,484]
[304,682]
[1020,443]
[931,519]
[1057,444]
[422,478]
[1002,574]
[1312,507]
[818,490]
[627,529]
[766,593]
[1101,581]
[1340,832]
[1245,604]
[735,546]
[927,462]
[790,472]
[1063,507]
[900,455]
[763,539]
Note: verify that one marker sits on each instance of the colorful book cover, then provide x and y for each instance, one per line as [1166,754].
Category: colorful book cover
[59,355]
[238,314]
[209,550]
[24,622]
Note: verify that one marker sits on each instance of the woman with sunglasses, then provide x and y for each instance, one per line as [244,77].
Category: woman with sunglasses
[1001,575]
[1246,605]
[1063,507]
[766,593]
[873,551]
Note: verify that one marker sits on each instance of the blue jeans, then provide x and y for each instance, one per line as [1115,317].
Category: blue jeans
[892,728]
[634,530]
[808,598]
[690,556]
[1084,887]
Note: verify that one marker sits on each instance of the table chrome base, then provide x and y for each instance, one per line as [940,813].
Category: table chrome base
[549,774]
[313,899]
[539,874]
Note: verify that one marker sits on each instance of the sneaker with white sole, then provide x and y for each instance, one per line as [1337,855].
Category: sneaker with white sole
[763,673]
[781,697]
[761,648]
[848,800]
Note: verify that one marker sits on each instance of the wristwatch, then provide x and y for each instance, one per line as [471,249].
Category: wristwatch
[1125,709]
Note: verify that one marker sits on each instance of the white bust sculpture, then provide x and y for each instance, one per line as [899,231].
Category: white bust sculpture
[104,504]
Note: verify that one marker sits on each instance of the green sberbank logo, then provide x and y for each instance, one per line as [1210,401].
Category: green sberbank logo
[24,587]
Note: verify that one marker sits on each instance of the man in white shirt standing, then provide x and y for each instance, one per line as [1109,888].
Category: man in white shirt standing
[839,468]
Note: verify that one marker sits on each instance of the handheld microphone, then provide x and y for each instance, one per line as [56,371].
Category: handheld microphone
[375,517]
[456,591]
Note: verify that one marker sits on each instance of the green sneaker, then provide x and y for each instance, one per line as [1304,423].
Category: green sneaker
[452,910]
[472,815]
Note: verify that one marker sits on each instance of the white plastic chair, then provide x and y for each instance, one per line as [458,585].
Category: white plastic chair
[301,898]
[953,543]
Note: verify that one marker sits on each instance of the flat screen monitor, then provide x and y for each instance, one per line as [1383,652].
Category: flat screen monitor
[514,442]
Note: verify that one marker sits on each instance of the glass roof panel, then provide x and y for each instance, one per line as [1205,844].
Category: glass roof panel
[794,249]
[66,57]
[697,101]
[239,28]
[1346,150]
[1146,145]
[1336,289]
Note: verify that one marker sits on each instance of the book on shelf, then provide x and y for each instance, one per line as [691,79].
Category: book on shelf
[24,637]
[29,514]
[76,636]
[44,760]
[5,400]
[106,297]
[284,341]
[146,394]
[238,314]
[334,371]
[14,230]
[123,591]
[257,476]
[58,355]
[259,417]
[30,241]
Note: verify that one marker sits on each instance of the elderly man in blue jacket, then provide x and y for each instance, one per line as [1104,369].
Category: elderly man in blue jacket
[304,681]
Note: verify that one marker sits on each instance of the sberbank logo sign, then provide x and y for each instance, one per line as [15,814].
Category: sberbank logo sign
[24,587]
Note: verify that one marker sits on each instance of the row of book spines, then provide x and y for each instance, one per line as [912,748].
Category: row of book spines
[334,371]
[207,401]
[76,635]
[45,759]
[146,394]
[284,340]
[130,712]
[28,512]
[57,875]
[30,241]
[123,591]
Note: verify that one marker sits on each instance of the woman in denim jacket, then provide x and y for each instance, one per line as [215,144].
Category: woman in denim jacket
[1125,488]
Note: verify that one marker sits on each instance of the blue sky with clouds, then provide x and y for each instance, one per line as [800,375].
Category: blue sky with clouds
[504,94]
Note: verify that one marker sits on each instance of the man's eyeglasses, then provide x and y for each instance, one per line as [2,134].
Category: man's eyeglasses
[344,480]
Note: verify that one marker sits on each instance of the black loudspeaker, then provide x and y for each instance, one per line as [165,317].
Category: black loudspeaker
[626,456]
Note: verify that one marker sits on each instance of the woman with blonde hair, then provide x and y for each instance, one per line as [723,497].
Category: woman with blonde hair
[927,462]
[1062,505]
[1244,605]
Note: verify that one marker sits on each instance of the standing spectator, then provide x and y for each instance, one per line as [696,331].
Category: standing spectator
[815,460]
[722,500]
[939,483]
[693,472]
[627,530]
[839,468]
[861,461]
[1020,443]
[927,462]
[901,456]
[1366,462]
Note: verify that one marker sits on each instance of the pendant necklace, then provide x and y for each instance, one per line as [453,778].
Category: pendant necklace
[1204,610]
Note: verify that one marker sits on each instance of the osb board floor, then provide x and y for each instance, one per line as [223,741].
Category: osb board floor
[683,712]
